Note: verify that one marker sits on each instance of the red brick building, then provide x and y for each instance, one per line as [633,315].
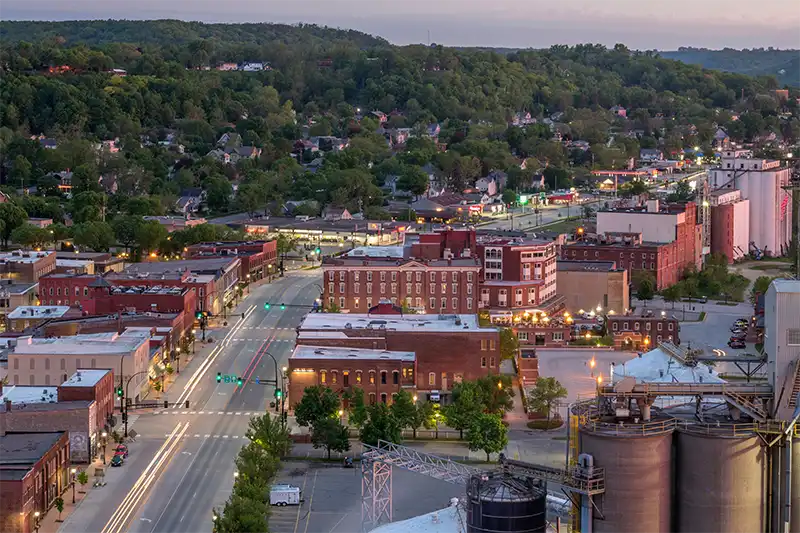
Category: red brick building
[447,349]
[26,266]
[518,275]
[665,262]
[259,258]
[380,373]
[356,284]
[34,471]
[91,384]
[640,332]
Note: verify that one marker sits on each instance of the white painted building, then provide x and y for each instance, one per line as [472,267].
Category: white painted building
[655,226]
[760,181]
[782,340]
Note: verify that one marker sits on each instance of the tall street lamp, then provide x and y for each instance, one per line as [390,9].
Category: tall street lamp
[104,436]
[73,471]
[194,338]
[36,516]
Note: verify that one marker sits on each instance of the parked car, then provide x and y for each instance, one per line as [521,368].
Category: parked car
[738,328]
[117,460]
[737,343]
[736,338]
[740,322]
[122,450]
[738,331]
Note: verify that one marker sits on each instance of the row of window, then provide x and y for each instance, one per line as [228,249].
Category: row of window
[417,286]
[393,274]
[408,373]
[47,363]
[66,291]
[637,326]
[416,301]
[491,362]
[556,336]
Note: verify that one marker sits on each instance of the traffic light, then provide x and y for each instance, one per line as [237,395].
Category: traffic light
[266,306]
[199,315]
[119,392]
[239,381]
[283,307]
[219,377]
[278,393]
[318,250]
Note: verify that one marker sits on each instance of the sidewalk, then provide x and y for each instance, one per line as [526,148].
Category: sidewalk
[50,523]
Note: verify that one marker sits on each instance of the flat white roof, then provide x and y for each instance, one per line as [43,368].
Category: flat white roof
[451,519]
[39,311]
[328,352]
[427,323]
[30,394]
[73,262]
[101,344]
[786,285]
[23,256]
[376,251]
[85,377]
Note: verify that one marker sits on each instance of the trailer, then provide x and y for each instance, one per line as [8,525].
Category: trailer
[285,495]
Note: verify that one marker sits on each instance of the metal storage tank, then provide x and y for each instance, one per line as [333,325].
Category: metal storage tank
[502,502]
[638,475]
[721,481]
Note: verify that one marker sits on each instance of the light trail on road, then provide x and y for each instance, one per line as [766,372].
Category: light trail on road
[118,521]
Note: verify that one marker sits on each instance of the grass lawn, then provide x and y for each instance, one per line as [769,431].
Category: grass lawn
[773,265]
[564,225]
[542,424]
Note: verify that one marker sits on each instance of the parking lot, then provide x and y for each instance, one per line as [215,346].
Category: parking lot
[333,497]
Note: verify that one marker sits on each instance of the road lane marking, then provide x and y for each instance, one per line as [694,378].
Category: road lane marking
[311,501]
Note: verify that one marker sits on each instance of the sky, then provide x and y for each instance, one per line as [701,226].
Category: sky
[639,24]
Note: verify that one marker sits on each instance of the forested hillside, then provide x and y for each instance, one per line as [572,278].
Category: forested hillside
[783,64]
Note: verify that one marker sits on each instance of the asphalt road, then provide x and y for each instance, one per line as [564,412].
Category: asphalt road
[181,464]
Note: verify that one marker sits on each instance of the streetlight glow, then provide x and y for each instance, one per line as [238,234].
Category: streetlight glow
[588,335]
[73,470]
[592,363]
[600,379]
[500,385]
[341,412]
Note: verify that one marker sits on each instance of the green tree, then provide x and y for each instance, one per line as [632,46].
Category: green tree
[467,404]
[125,229]
[242,515]
[285,244]
[487,433]
[357,408]
[12,217]
[329,433]
[82,478]
[31,236]
[424,416]
[509,344]
[545,395]
[256,464]
[381,426]
[21,171]
[403,408]
[673,294]
[509,197]
[496,393]
[150,234]
[319,402]
[270,433]
[96,236]
[413,180]
[85,178]
[58,503]
[760,286]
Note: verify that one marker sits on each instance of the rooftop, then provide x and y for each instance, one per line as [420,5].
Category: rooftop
[451,519]
[425,323]
[20,451]
[320,352]
[83,344]
[787,285]
[498,240]
[86,377]
[22,256]
[39,311]
[154,290]
[18,288]
[197,266]
[377,251]
[30,394]
[388,261]
[585,266]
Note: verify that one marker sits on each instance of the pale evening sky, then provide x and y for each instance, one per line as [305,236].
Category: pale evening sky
[641,24]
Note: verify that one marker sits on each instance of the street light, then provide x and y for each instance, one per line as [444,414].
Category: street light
[36,516]
[236,475]
[194,338]
[104,435]
[599,380]
[73,471]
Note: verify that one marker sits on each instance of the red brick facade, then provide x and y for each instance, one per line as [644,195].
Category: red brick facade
[258,257]
[638,328]
[101,393]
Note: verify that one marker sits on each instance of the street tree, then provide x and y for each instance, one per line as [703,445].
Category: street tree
[381,426]
[31,236]
[412,179]
[496,393]
[150,234]
[82,479]
[319,402]
[466,406]
[270,433]
[58,503]
[509,344]
[97,236]
[242,515]
[125,228]
[424,416]
[509,196]
[12,217]
[673,294]
[331,434]
[760,286]
[256,464]
[357,408]
[488,434]
[544,396]
[403,408]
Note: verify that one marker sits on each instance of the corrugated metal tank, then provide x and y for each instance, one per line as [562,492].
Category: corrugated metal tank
[638,480]
[721,483]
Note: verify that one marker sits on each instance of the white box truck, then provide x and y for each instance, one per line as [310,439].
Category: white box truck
[285,495]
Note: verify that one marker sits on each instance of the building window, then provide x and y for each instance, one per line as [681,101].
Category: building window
[793,337]
[369,288]
[383,276]
[669,327]
[469,304]
[483,362]
[330,275]
[323,376]
[418,288]
[444,288]
[408,288]
[63,364]
[559,336]
[395,377]
[394,288]
[383,397]
[454,302]
[660,325]
[659,339]
[369,276]
[444,303]
[383,377]
[432,379]
[455,289]
[356,288]
[625,326]
[355,276]
[647,326]
[356,302]
[522,335]
[372,377]
[330,288]
[372,398]
[330,301]
[394,276]
[86,291]
[432,289]
[33,364]
[47,364]
[484,345]
[635,326]
[358,376]
[334,376]
[341,302]
[444,276]
[369,303]
[346,378]
[432,303]
[491,362]
[77,291]
[383,288]
[341,287]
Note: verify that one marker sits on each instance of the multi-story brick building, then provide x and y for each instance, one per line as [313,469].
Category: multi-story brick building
[637,332]
[356,284]
[91,384]
[380,373]
[589,284]
[34,471]
[730,224]
[447,348]
[518,275]
[24,266]
[258,258]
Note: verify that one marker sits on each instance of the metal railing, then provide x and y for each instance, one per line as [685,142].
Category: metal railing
[622,429]
[415,461]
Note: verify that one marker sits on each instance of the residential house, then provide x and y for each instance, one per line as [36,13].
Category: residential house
[229,138]
[190,200]
[380,116]
[304,146]
[252,67]
[228,66]
[522,118]
[620,111]
[48,144]
[487,185]
[583,146]
[433,131]
[721,139]
[109,183]
[110,146]
[650,155]
[336,213]
[329,143]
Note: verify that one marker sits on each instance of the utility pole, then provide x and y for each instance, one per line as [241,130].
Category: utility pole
[793,189]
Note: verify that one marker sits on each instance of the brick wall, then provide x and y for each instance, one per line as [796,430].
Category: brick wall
[82,430]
